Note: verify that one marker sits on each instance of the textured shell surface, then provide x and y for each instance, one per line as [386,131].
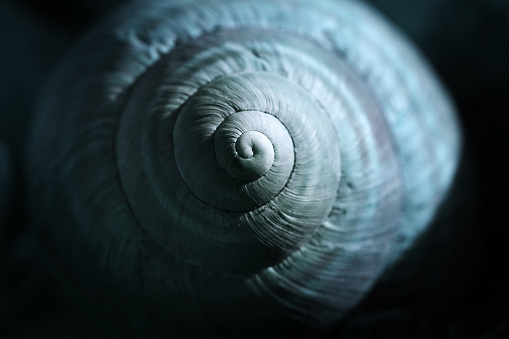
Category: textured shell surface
[225,166]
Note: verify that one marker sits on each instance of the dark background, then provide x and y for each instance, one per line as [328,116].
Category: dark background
[466,41]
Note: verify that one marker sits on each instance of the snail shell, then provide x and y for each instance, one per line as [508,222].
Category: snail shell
[237,165]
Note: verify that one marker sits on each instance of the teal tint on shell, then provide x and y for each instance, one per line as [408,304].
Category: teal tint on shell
[143,187]
[253,156]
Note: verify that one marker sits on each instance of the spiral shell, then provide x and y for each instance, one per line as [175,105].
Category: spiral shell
[237,164]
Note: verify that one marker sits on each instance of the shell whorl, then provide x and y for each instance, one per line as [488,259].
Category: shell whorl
[263,215]
[188,155]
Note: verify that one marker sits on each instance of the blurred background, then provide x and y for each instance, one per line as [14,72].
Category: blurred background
[466,42]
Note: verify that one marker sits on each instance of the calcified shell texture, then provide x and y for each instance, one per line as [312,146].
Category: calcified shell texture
[237,167]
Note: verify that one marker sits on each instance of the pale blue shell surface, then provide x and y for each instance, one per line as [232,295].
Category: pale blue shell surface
[147,210]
